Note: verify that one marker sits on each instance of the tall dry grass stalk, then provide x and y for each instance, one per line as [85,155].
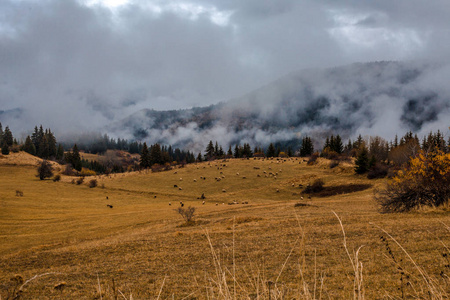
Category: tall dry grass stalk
[429,287]
[358,288]
[259,287]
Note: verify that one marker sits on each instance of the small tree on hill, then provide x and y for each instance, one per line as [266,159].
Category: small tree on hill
[45,170]
[29,146]
[271,151]
[145,157]
[8,137]
[210,151]
[5,147]
[362,161]
[307,148]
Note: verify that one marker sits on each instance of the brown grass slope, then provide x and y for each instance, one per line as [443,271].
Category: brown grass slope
[79,248]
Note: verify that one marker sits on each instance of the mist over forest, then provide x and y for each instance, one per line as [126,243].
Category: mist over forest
[379,98]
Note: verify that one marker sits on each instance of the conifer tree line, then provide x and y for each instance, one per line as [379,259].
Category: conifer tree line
[163,155]
[369,151]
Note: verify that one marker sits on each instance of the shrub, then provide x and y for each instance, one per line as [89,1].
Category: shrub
[68,170]
[5,148]
[157,168]
[87,172]
[315,187]
[44,170]
[93,183]
[334,164]
[15,148]
[378,171]
[80,180]
[313,158]
[57,178]
[424,182]
[187,214]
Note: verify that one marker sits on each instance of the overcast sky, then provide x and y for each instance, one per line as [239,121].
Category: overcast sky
[84,63]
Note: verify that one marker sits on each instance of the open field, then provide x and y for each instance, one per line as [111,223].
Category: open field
[140,249]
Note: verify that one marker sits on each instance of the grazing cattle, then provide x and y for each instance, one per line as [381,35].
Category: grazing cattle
[109,205]
[170,204]
[203,202]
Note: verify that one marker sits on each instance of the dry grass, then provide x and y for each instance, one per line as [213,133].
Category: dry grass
[137,249]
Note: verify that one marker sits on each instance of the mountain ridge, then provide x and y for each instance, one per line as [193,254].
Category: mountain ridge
[347,100]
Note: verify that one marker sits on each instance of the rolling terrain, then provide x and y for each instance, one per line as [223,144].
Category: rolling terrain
[277,243]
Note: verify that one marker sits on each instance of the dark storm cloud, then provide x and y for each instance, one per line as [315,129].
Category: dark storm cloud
[71,65]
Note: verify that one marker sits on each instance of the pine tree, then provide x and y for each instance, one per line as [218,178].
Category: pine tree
[51,140]
[362,161]
[199,157]
[5,147]
[230,152]
[8,137]
[29,146]
[216,150]
[43,148]
[271,151]
[60,152]
[237,153]
[1,133]
[307,147]
[155,154]
[144,161]
[336,144]
[209,151]
[76,158]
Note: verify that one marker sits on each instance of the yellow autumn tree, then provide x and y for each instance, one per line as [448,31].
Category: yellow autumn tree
[425,181]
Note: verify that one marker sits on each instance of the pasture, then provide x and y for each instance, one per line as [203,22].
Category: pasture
[69,244]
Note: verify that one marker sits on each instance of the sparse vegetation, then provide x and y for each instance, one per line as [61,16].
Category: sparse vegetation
[80,180]
[187,213]
[93,183]
[45,170]
[315,187]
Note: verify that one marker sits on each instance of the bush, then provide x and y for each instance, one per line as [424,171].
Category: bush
[334,164]
[378,171]
[80,180]
[15,148]
[424,182]
[312,159]
[44,170]
[315,187]
[5,148]
[93,183]
[57,178]
[187,214]
[68,170]
[87,172]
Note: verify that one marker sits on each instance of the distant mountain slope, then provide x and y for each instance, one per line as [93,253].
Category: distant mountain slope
[382,98]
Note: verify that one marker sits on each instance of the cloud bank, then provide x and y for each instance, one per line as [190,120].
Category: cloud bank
[82,65]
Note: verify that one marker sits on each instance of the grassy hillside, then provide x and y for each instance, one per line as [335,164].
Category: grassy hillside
[140,249]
